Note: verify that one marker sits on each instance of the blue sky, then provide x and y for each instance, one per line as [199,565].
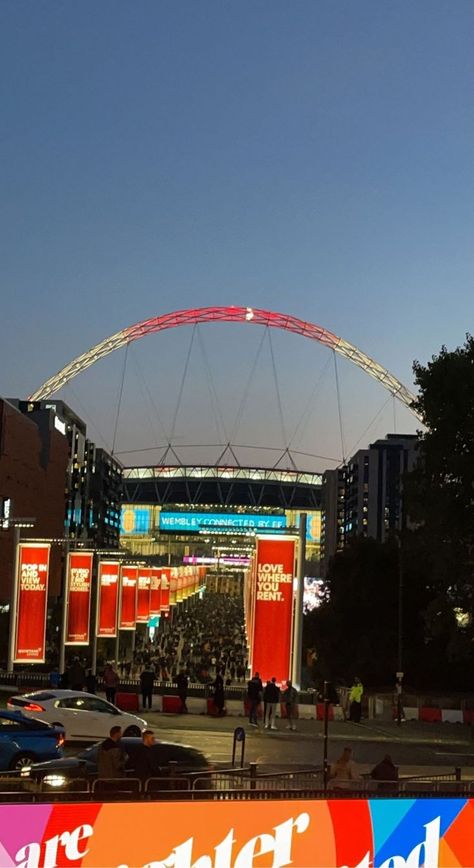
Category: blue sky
[308,157]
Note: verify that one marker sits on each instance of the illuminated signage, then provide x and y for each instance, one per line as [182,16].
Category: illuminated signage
[215,522]
[135,520]
[143,595]
[388,833]
[5,512]
[78,590]
[128,598]
[32,599]
[273,607]
[107,598]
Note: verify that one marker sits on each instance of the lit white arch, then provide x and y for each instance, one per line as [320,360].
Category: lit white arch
[249,315]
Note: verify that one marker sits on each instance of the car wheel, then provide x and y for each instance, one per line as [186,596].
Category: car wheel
[133,732]
[21,760]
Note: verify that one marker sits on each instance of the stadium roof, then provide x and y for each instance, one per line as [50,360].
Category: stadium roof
[222,486]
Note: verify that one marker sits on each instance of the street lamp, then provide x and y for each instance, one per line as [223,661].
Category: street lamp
[399,674]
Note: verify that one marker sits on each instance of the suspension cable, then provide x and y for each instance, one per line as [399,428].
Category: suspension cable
[308,409]
[181,388]
[215,404]
[277,388]
[339,408]
[119,403]
[243,400]
[141,379]
[369,426]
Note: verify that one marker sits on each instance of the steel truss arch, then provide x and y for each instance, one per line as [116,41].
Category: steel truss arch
[249,315]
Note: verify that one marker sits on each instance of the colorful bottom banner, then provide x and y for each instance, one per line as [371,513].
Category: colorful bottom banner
[384,833]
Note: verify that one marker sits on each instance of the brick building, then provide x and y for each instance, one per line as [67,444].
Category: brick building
[33,465]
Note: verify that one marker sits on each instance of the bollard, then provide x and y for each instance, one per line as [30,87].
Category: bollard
[239,736]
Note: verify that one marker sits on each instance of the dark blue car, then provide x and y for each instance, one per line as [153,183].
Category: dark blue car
[25,740]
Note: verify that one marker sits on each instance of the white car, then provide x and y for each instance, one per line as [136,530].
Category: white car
[83,716]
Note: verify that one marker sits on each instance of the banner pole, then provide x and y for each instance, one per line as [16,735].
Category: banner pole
[119,616]
[298,616]
[96,618]
[65,611]
[14,597]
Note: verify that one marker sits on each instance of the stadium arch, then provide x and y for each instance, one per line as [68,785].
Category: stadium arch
[249,315]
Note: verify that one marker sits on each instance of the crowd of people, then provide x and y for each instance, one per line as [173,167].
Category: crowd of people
[205,640]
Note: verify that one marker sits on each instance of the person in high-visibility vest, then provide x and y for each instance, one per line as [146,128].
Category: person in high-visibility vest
[355,700]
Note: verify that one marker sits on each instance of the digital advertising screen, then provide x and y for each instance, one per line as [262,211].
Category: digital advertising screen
[79,581]
[377,833]
[216,522]
[32,599]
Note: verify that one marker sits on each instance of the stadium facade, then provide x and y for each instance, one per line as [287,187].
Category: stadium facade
[212,514]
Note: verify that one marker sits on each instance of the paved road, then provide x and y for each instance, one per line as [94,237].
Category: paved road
[414,747]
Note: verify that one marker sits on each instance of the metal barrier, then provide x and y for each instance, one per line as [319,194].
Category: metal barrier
[168,789]
[116,788]
[228,785]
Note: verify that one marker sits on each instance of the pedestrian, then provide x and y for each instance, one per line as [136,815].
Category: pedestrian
[219,695]
[343,772]
[54,678]
[182,685]
[77,675]
[271,698]
[254,694]
[144,760]
[111,757]
[387,773]
[355,700]
[399,699]
[111,682]
[147,678]
[91,682]
[290,698]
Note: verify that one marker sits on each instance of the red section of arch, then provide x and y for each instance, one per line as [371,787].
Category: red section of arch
[231,314]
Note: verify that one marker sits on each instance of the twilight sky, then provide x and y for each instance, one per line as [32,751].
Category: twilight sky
[314,158]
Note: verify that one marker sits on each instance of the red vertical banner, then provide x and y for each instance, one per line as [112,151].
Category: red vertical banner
[190,581]
[32,601]
[180,584]
[107,598]
[78,591]
[128,598]
[143,595]
[155,592]
[173,585]
[165,589]
[273,609]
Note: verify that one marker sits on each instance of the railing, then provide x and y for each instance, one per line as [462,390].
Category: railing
[229,785]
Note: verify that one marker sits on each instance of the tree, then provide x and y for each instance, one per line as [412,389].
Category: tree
[440,491]
[355,630]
